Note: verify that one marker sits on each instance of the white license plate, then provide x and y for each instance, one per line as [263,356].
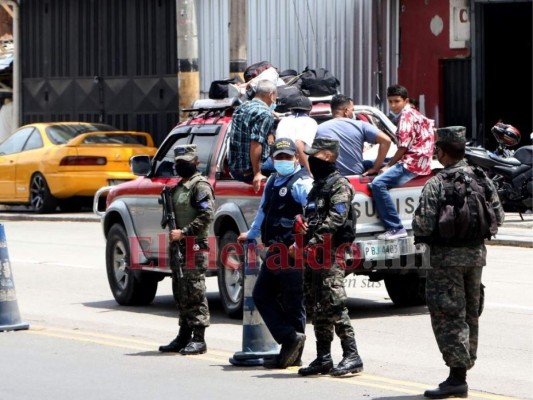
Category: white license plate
[387,249]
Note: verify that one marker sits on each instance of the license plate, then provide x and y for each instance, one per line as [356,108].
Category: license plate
[387,249]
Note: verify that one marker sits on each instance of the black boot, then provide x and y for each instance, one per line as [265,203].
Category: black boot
[182,340]
[351,362]
[323,362]
[454,386]
[274,363]
[197,344]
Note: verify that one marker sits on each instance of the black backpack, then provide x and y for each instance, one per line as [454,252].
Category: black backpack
[465,217]
[318,82]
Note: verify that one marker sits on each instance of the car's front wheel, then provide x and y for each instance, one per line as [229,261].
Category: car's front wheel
[230,275]
[41,200]
[127,287]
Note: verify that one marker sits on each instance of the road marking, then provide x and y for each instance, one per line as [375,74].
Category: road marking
[218,356]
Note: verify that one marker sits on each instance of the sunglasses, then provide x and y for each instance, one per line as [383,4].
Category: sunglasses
[435,150]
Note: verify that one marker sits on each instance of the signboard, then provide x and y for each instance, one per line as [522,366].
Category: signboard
[459,24]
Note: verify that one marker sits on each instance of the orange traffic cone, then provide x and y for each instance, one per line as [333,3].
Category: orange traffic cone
[9,310]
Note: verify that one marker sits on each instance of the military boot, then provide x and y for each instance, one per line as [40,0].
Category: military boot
[182,340]
[197,344]
[323,362]
[351,362]
[454,386]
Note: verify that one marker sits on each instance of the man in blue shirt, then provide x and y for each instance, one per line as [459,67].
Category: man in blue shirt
[251,124]
[352,135]
[278,291]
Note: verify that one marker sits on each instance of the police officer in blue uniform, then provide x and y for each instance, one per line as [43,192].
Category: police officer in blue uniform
[278,291]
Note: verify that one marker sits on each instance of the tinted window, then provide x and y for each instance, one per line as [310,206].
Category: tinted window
[61,134]
[15,142]
[34,142]
[205,145]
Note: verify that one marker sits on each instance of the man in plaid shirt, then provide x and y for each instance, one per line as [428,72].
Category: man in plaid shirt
[252,123]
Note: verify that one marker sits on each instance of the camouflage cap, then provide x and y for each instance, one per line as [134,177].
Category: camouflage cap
[186,152]
[324,143]
[451,134]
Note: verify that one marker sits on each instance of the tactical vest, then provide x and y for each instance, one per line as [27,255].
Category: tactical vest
[280,208]
[317,210]
[184,203]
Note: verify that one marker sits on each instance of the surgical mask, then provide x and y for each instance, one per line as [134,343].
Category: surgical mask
[395,115]
[284,167]
[273,106]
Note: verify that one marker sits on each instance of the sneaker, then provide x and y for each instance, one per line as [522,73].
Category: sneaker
[393,234]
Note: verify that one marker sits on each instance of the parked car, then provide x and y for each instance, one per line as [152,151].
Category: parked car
[45,165]
[136,244]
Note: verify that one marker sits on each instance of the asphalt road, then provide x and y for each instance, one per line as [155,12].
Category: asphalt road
[82,345]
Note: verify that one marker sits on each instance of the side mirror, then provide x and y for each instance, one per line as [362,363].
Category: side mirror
[140,165]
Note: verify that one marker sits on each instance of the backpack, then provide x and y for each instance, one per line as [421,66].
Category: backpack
[254,70]
[319,82]
[465,217]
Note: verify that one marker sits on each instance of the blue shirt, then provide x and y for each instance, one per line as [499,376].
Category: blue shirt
[352,135]
[253,120]
[299,192]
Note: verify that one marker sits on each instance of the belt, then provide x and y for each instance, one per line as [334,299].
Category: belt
[243,173]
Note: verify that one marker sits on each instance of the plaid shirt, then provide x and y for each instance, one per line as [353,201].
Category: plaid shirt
[251,121]
[415,132]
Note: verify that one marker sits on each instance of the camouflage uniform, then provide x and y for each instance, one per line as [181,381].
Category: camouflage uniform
[327,214]
[453,284]
[193,202]
[325,296]
[194,208]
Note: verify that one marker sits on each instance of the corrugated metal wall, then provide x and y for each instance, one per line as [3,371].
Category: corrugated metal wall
[351,38]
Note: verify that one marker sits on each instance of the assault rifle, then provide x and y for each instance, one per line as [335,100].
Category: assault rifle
[169,219]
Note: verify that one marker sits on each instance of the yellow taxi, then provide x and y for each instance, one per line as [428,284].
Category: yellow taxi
[45,165]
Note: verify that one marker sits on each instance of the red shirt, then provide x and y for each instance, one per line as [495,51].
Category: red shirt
[415,132]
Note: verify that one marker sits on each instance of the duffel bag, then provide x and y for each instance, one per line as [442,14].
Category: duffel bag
[319,82]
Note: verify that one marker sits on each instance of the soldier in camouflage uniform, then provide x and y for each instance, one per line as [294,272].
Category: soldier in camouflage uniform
[453,286]
[193,202]
[328,224]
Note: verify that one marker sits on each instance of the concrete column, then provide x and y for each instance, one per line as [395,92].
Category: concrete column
[188,74]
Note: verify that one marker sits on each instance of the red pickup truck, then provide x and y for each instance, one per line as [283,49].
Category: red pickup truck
[136,248]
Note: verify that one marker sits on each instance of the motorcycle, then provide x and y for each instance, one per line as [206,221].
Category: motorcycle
[510,171]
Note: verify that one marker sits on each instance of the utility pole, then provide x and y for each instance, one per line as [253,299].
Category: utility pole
[238,34]
[188,75]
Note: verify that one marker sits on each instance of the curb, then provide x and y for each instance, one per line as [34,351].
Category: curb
[52,218]
[509,242]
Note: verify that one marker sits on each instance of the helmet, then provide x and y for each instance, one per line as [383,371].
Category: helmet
[506,135]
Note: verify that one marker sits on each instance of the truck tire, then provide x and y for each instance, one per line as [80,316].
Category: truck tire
[230,279]
[406,290]
[129,287]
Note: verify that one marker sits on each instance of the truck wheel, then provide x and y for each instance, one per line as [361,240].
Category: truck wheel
[41,200]
[128,288]
[406,290]
[230,275]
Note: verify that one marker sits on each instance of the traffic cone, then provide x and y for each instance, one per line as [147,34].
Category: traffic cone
[257,342]
[9,310]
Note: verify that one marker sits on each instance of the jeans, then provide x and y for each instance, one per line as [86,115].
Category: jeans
[396,175]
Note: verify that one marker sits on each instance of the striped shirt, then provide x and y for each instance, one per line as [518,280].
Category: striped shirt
[251,121]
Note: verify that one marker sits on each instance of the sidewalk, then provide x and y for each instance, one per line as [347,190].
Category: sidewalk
[514,232]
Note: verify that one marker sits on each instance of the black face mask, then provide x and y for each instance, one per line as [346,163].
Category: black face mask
[320,168]
[185,169]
